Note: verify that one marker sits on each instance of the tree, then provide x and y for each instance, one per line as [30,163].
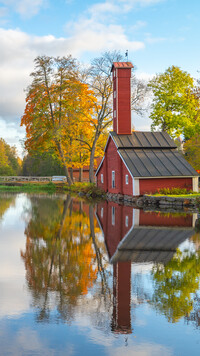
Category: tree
[175,106]
[58,106]
[46,164]
[99,78]
[192,151]
[10,164]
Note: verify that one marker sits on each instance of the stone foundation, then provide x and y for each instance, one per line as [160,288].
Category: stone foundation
[161,202]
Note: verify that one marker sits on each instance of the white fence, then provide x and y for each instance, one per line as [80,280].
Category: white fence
[24,179]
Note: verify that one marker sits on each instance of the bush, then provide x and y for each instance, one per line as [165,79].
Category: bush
[174,191]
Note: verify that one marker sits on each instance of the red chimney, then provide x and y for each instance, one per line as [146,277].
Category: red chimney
[122,97]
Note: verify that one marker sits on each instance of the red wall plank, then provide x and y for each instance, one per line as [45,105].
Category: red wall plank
[152,185]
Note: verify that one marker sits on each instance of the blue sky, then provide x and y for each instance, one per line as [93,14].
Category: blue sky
[157,33]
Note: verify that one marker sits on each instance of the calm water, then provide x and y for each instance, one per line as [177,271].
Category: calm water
[96,280]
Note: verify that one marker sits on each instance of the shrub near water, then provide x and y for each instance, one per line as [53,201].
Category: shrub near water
[174,191]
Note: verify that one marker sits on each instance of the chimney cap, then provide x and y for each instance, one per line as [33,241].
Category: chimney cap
[121,65]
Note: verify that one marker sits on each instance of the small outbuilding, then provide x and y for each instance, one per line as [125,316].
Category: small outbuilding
[136,163]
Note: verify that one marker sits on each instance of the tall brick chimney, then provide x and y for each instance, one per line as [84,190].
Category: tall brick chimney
[122,97]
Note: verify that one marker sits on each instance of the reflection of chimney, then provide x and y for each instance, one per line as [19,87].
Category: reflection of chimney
[122,297]
[122,97]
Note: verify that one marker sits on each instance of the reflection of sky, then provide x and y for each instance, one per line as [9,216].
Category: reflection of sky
[89,331]
[13,300]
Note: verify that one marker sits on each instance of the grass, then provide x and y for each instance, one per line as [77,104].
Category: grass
[87,189]
[29,188]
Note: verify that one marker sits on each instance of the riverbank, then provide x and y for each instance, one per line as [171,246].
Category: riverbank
[90,192]
[158,202]
[28,187]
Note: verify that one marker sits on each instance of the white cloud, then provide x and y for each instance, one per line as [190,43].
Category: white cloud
[13,134]
[119,6]
[26,8]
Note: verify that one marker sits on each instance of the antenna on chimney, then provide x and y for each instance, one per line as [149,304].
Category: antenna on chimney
[126,55]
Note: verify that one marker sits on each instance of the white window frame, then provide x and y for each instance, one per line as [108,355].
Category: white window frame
[113,215]
[126,178]
[113,179]
[101,177]
[126,220]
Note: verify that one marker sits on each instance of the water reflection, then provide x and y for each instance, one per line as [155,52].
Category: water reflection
[7,200]
[115,276]
[136,236]
[59,256]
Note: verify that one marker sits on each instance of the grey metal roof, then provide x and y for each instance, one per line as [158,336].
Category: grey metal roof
[156,163]
[139,139]
[147,244]
[152,154]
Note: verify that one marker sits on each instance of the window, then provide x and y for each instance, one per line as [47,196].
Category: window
[113,179]
[101,178]
[114,113]
[113,215]
[126,178]
[126,221]
[114,94]
[101,212]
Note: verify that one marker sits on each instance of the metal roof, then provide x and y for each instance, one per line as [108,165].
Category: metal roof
[156,163]
[152,154]
[139,139]
[147,244]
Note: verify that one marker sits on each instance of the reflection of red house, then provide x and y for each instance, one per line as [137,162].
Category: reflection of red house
[132,235]
[135,163]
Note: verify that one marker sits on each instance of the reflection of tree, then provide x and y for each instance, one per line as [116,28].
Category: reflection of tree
[194,316]
[175,283]
[59,255]
[103,294]
[6,201]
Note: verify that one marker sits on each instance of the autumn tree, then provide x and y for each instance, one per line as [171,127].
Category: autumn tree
[10,164]
[58,106]
[175,106]
[192,151]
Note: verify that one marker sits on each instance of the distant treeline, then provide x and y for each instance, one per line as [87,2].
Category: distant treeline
[38,165]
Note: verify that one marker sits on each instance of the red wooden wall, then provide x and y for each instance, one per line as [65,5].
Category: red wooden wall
[113,162]
[152,185]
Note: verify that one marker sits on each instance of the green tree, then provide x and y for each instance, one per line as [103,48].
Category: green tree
[192,151]
[175,106]
[45,164]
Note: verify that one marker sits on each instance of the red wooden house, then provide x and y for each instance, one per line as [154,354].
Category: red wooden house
[136,163]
